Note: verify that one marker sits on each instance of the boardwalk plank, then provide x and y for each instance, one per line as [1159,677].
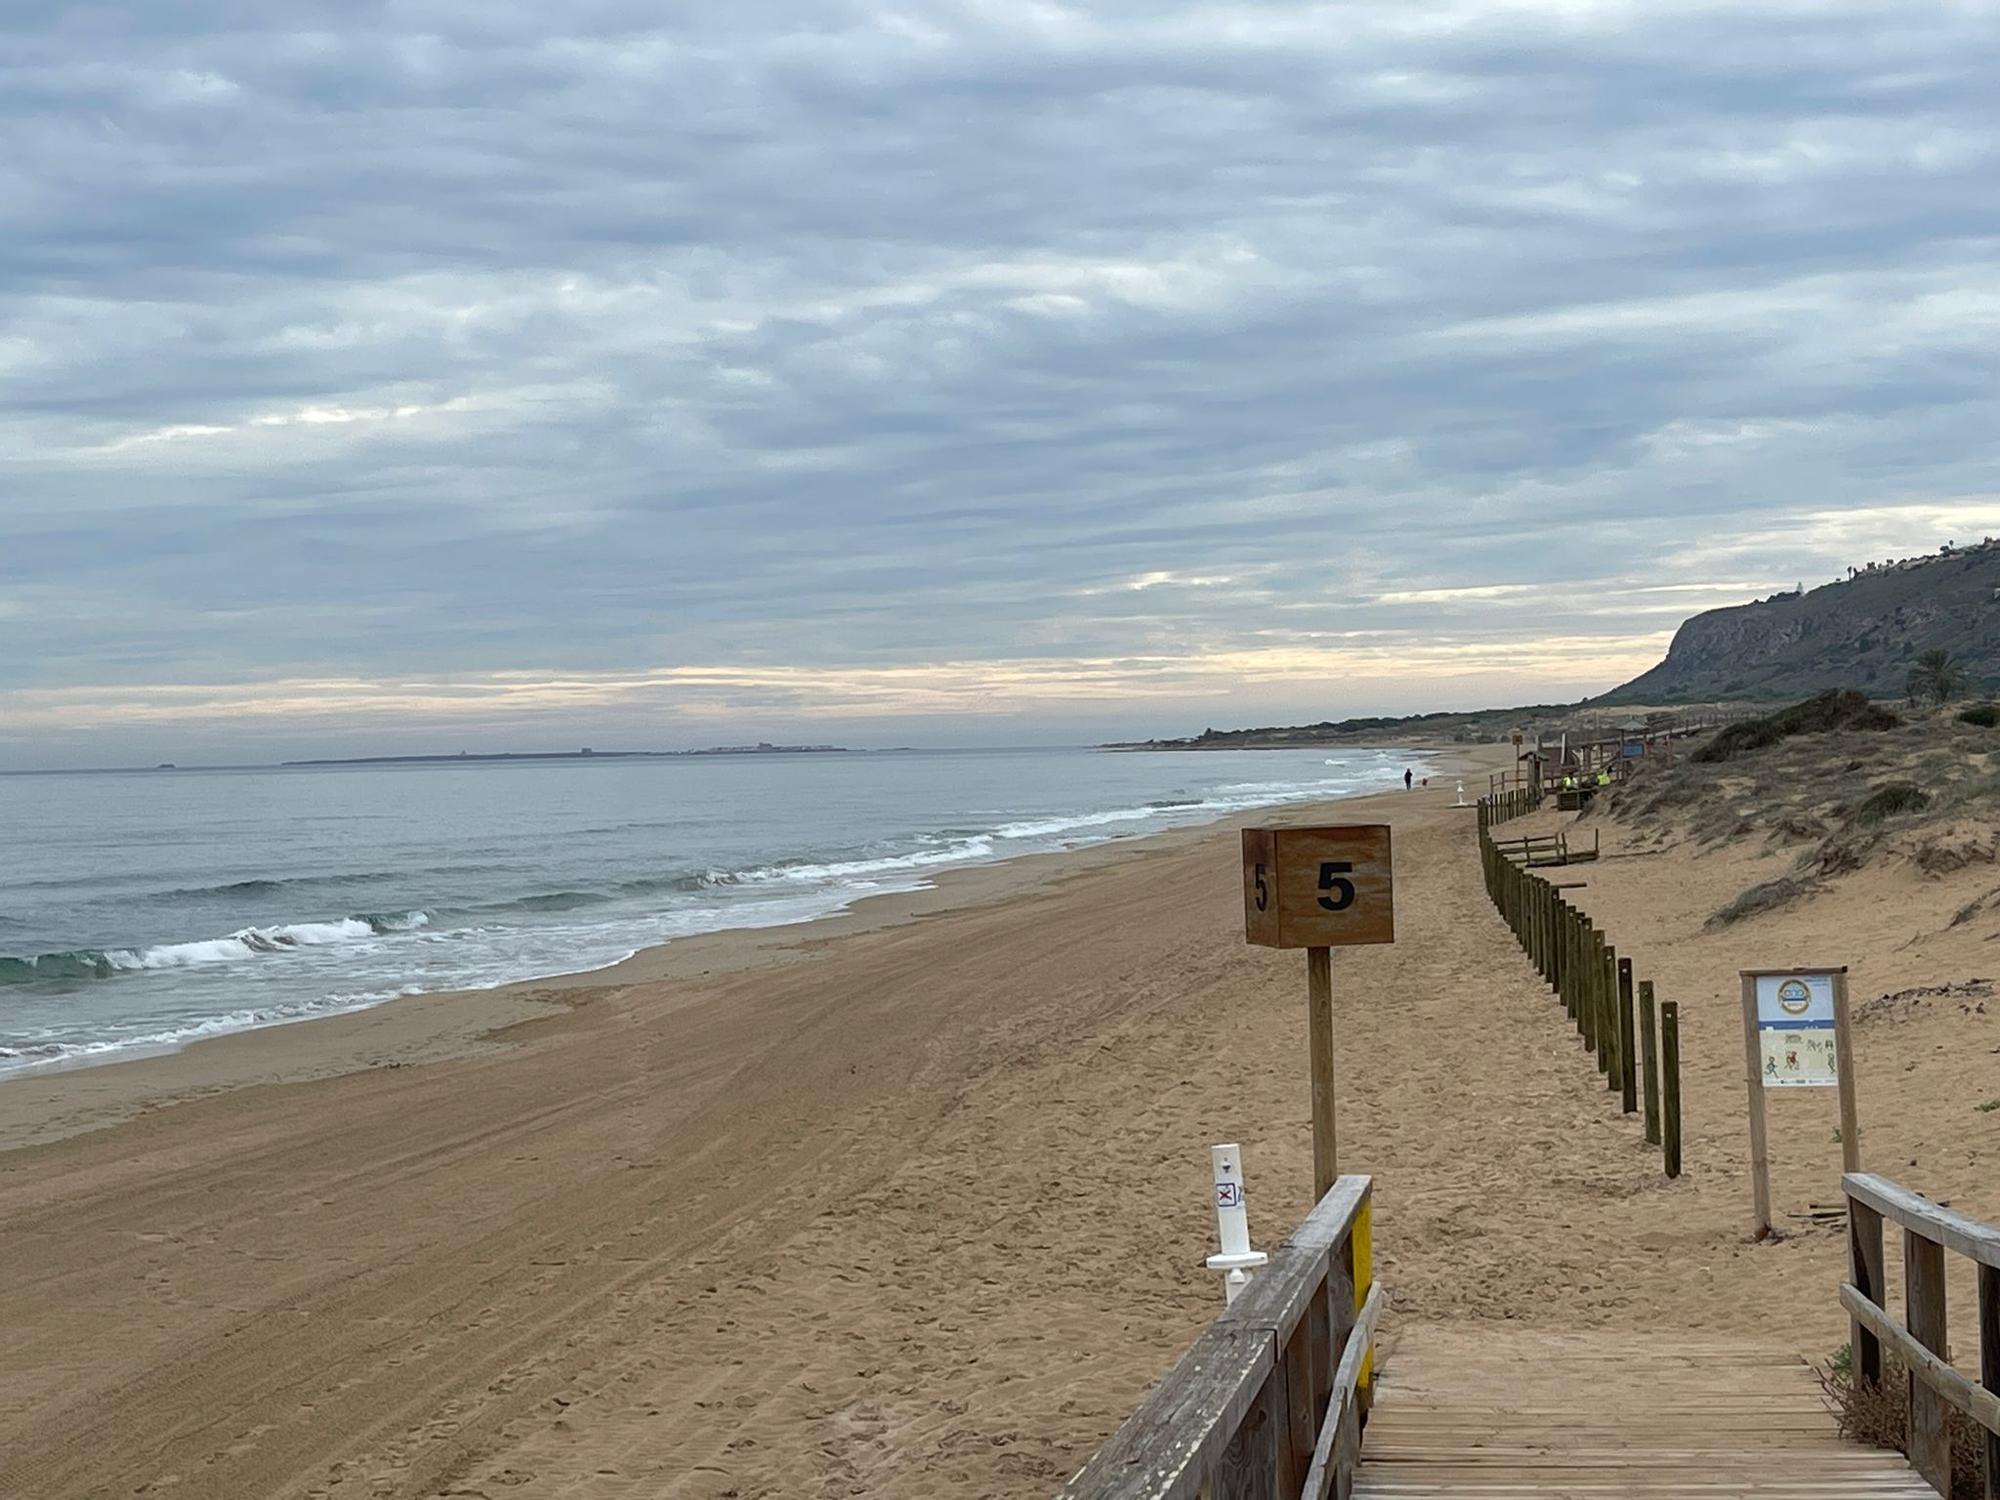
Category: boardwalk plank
[1502,1414]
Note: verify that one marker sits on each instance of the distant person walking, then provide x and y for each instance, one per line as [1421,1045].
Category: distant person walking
[1408,777]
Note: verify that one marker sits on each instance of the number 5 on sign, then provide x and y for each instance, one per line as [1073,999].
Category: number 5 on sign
[1318,887]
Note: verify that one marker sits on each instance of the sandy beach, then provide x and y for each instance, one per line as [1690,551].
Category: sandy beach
[912,1202]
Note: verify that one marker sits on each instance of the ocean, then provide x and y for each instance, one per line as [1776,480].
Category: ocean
[145,909]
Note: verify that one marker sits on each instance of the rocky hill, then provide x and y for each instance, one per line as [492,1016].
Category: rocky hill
[1862,632]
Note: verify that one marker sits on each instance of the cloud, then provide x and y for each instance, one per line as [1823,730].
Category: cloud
[380,344]
[697,700]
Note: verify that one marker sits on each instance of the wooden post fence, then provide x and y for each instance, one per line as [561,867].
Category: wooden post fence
[1611,1008]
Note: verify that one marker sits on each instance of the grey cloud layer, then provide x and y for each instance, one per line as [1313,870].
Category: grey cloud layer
[384,339]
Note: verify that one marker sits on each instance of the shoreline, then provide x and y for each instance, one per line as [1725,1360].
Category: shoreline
[54,1101]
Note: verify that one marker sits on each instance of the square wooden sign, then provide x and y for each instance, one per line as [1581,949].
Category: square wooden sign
[1318,887]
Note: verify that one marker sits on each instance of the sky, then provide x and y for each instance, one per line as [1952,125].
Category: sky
[439,375]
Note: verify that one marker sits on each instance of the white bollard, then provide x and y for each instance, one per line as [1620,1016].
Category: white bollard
[1461,795]
[1232,1223]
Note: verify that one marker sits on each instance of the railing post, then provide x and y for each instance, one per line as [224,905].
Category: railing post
[1989,1365]
[1923,1313]
[1295,1360]
[1864,1274]
[1249,1464]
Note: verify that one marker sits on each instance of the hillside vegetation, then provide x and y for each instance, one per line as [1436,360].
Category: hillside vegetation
[1833,709]
[1839,783]
[1863,633]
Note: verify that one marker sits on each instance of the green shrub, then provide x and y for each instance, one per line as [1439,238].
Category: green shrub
[1985,715]
[1769,896]
[1832,709]
[1878,1414]
[1888,800]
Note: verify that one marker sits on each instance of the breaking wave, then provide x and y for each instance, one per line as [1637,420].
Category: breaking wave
[249,942]
[957,852]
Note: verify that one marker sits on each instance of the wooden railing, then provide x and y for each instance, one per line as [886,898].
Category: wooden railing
[1613,1012]
[1268,1403]
[1510,802]
[1929,1229]
[1540,850]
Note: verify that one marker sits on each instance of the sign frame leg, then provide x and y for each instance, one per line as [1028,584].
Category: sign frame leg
[1850,1114]
[1760,1159]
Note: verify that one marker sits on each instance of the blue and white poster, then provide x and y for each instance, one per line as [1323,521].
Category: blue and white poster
[1795,1028]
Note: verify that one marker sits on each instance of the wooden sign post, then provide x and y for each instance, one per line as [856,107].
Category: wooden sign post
[1795,1035]
[1318,889]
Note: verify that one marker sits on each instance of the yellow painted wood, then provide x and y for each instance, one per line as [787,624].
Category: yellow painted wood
[1364,1280]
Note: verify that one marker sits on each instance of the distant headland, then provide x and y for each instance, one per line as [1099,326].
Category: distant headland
[466,757]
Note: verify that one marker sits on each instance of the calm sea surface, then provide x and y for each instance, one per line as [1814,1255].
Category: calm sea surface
[146,909]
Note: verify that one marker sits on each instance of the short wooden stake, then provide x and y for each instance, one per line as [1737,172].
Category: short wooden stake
[1606,959]
[1567,959]
[1649,1050]
[1319,1045]
[1607,1034]
[1760,1158]
[1628,1066]
[1552,938]
[1670,1084]
[1586,984]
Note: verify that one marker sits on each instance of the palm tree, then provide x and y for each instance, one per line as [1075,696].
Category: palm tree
[1936,678]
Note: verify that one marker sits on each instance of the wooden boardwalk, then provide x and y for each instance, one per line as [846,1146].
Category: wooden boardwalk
[1493,1413]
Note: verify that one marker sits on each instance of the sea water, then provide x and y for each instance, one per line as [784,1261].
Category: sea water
[148,908]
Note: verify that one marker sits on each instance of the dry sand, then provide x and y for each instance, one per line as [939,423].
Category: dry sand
[912,1205]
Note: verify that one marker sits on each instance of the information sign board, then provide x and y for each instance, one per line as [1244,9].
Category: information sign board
[1795,1035]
